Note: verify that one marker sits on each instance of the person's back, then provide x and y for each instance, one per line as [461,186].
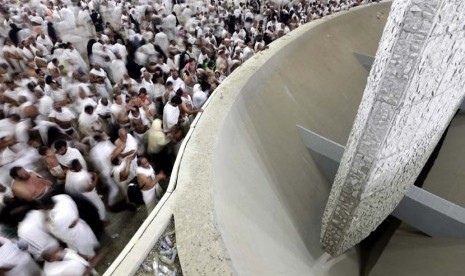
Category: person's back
[170,116]
[161,39]
[76,182]
[66,225]
[100,155]
[157,140]
[80,182]
[199,98]
[33,230]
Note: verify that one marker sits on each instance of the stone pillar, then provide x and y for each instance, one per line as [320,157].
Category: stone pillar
[414,89]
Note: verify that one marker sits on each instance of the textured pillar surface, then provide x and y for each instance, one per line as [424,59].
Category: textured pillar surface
[415,86]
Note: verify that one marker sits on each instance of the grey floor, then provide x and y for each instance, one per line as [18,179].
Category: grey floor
[122,227]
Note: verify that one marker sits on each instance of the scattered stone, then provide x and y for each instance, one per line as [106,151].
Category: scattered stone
[163,260]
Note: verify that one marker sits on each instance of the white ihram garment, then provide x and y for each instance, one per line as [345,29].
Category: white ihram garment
[76,184]
[33,230]
[100,155]
[79,237]
[170,116]
[20,261]
[71,265]
[123,184]
[131,144]
[150,196]
[70,155]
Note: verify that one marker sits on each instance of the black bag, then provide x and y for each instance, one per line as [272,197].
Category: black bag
[135,194]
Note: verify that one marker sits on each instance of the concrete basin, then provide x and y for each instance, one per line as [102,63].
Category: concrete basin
[250,197]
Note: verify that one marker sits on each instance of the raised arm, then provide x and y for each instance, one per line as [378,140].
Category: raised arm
[123,175]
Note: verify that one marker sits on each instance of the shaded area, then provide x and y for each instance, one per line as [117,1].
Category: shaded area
[372,247]
[432,256]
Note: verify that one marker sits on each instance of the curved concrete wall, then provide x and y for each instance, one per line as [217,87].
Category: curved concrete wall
[250,198]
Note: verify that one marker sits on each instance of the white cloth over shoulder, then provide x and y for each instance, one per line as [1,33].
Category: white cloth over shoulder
[157,139]
[71,265]
[76,184]
[132,173]
[131,144]
[100,155]
[200,97]
[78,236]
[19,261]
[170,116]
[149,196]
[70,155]
[33,230]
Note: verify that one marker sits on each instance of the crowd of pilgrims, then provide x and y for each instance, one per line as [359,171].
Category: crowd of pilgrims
[96,97]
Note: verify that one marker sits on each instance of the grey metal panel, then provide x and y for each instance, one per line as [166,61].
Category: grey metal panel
[321,145]
[419,208]
[431,214]
[326,153]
